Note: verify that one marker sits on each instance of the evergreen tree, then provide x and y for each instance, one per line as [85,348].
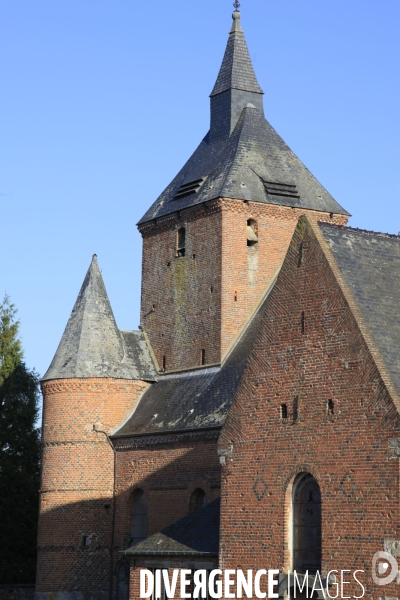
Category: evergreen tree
[19,455]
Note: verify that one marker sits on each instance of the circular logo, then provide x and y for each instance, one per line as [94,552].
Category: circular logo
[381,562]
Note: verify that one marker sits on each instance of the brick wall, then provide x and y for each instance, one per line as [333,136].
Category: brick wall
[77,482]
[248,270]
[185,292]
[201,301]
[347,452]
[168,468]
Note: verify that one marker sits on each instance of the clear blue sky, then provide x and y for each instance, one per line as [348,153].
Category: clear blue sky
[101,103]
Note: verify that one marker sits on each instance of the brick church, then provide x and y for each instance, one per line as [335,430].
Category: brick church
[252,422]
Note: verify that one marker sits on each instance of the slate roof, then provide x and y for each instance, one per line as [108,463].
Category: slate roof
[196,534]
[236,71]
[198,399]
[93,346]
[370,265]
[242,152]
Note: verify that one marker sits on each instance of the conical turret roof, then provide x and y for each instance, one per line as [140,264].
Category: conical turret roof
[242,156]
[93,346]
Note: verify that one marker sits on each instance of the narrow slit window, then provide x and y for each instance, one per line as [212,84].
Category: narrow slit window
[85,541]
[164,362]
[295,409]
[330,407]
[303,322]
[252,232]
[181,242]
[284,411]
[203,357]
[235,297]
[301,250]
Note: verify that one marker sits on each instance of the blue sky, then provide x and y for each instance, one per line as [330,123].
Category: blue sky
[101,103]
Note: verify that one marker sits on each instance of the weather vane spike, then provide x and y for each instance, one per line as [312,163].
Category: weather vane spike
[236,4]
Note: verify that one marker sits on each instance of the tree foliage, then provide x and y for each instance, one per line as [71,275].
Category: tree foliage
[19,455]
[10,345]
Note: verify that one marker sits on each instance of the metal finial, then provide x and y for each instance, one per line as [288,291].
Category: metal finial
[236,4]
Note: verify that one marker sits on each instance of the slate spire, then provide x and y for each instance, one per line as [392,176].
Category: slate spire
[92,345]
[241,157]
[236,84]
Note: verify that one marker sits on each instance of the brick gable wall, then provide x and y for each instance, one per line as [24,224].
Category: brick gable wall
[347,452]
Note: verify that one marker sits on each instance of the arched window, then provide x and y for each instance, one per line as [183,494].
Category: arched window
[197,500]
[306,511]
[139,517]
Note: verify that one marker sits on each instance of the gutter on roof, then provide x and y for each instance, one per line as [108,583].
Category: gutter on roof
[167,553]
[169,431]
[189,369]
[159,218]
[318,210]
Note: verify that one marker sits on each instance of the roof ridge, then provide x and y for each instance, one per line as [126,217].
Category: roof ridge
[235,134]
[359,230]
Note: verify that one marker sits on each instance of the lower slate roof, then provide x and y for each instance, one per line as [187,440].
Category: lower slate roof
[198,399]
[197,534]
[370,265]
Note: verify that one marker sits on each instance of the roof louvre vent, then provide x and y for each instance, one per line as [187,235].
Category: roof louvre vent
[274,188]
[187,189]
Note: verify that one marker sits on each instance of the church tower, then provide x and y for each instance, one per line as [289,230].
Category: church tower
[216,236]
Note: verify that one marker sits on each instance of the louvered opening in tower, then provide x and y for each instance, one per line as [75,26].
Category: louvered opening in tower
[187,189]
[276,188]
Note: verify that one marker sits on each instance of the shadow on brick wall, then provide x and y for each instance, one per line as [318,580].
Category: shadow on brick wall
[74,549]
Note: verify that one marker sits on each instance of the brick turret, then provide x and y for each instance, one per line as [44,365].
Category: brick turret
[94,382]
